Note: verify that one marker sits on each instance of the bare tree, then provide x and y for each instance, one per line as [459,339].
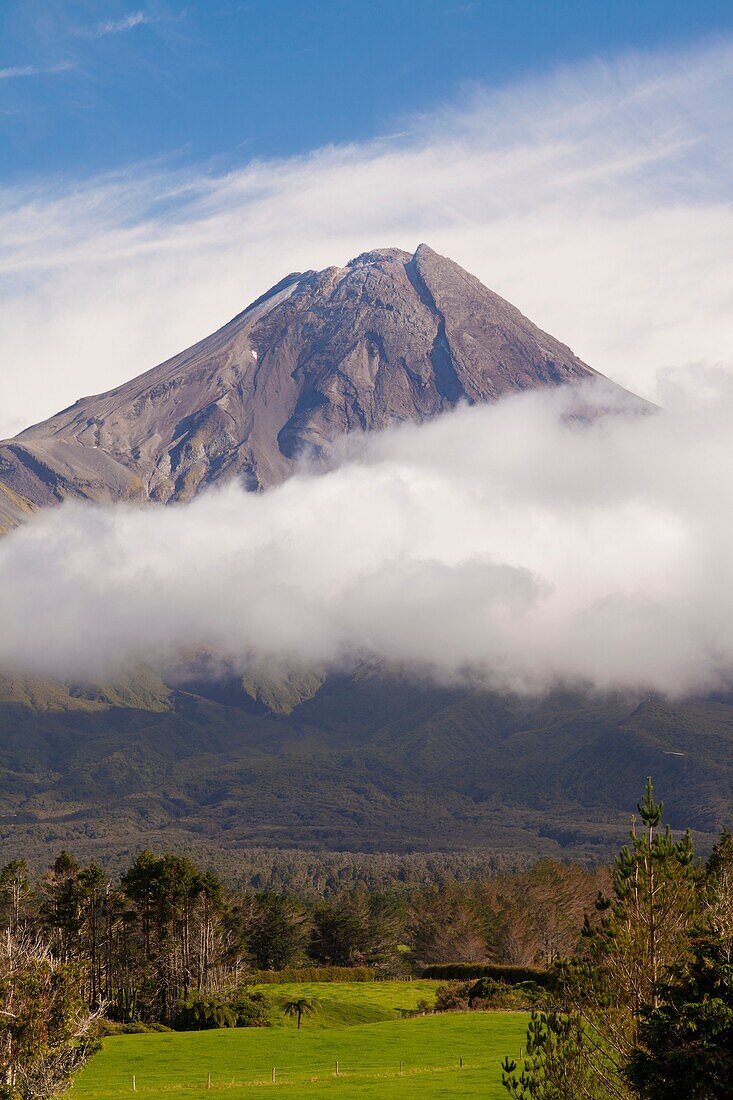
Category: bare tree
[46,1028]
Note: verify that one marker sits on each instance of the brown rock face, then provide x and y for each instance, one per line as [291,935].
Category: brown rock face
[390,337]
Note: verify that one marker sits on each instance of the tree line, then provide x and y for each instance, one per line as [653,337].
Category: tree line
[166,930]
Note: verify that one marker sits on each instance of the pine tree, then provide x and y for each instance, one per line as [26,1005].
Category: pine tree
[685,1040]
[556,1065]
[639,933]
[276,934]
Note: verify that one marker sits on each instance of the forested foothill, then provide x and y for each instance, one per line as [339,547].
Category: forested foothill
[166,931]
[627,970]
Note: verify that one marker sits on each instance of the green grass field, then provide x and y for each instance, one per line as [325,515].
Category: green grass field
[350,1028]
[342,1004]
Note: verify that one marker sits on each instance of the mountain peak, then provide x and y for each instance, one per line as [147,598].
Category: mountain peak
[378,255]
[393,336]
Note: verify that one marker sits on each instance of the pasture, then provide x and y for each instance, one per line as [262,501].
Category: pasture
[355,1045]
[343,1004]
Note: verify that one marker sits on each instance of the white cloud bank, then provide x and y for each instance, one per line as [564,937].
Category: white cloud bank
[597,200]
[511,544]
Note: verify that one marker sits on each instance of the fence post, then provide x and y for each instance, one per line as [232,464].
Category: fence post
[273,1075]
[460,1062]
[208,1080]
[134,1083]
[337,1068]
[400,1067]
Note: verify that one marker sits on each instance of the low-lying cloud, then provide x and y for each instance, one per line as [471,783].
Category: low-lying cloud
[519,545]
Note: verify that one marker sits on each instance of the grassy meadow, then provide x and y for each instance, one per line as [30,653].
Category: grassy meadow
[358,1025]
[344,1004]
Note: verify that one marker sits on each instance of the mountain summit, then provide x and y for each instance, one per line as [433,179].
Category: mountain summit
[389,337]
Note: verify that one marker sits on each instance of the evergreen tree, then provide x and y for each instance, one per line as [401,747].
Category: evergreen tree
[639,934]
[175,906]
[62,907]
[276,934]
[720,861]
[14,889]
[556,1065]
[355,929]
[685,1045]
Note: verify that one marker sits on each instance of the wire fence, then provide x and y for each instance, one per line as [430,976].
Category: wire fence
[126,1082]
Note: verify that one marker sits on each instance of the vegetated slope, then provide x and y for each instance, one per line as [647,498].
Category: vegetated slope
[348,1004]
[371,762]
[390,337]
[240,1060]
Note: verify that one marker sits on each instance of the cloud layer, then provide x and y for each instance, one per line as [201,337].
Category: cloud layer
[519,545]
[596,199]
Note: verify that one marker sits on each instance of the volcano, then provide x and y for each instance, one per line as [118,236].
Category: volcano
[365,758]
[391,337]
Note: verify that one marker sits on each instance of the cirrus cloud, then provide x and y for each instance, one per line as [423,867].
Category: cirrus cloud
[596,199]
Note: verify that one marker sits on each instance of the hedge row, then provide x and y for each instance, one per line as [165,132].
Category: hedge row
[510,975]
[314,974]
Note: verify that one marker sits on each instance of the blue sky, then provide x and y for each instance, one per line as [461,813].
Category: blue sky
[163,163]
[89,85]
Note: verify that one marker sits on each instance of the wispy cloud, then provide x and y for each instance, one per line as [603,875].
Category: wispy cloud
[33,70]
[118,26]
[598,200]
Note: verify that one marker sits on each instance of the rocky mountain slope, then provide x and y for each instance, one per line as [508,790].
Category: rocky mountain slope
[390,337]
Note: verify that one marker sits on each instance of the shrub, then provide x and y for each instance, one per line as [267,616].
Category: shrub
[510,975]
[252,1009]
[453,997]
[314,974]
[134,1027]
[487,993]
[205,1013]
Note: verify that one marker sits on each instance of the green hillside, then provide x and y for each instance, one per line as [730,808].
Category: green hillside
[369,1056]
[365,762]
[345,1004]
